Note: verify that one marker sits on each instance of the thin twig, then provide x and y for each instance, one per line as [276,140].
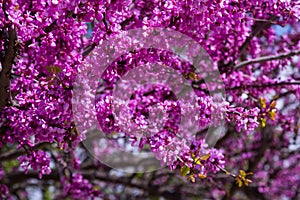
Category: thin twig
[18,152]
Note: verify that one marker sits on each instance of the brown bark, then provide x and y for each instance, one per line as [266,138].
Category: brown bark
[7,62]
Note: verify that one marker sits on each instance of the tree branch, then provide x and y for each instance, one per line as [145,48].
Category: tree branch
[266,58]
[18,152]
[88,50]
[20,177]
[10,53]
[263,85]
[257,28]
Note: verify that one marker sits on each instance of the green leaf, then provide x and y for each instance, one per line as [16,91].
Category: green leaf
[56,69]
[197,161]
[49,68]
[191,178]
[272,114]
[193,76]
[49,78]
[262,102]
[53,69]
[201,175]
[243,173]
[139,175]
[205,157]
[47,194]
[263,122]
[193,155]
[184,170]
[240,183]
[9,165]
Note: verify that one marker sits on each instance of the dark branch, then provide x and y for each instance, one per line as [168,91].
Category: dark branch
[88,50]
[5,73]
[18,152]
[267,58]
[257,28]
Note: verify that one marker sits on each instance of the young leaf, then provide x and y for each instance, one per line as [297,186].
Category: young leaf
[201,175]
[53,69]
[242,173]
[263,122]
[191,178]
[56,69]
[273,104]
[184,170]
[239,182]
[193,76]
[262,102]
[197,161]
[205,157]
[272,114]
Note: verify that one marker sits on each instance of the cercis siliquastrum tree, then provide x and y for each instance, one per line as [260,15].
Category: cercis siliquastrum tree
[254,44]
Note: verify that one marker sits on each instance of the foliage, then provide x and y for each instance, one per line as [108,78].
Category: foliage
[255,46]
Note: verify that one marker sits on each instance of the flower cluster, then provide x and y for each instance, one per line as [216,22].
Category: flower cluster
[78,187]
[38,161]
[253,45]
